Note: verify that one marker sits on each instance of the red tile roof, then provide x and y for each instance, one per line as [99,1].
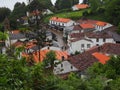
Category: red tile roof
[91,35]
[82,61]
[81,6]
[101,57]
[77,27]
[100,23]
[86,59]
[82,21]
[43,53]
[87,26]
[15,31]
[18,44]
[57,19]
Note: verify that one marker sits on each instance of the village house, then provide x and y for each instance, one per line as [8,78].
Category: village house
[83,41]
[61,22]
[79,63]
[79,7]
[14,36]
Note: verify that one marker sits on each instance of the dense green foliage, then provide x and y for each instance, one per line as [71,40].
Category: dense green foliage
[113,12]
[4,12]
[18,75]
[64,4]
[40,5]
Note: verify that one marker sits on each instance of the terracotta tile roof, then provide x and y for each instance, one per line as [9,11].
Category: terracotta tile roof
[82,61]
[77,35]
[86,59]
[87,26]
[100,23]
[77,27]
[15,31]
[16,34]
[82,21]
[110,48]
[77,39]
[101,57]
[43,53]
[81,6]
[18,44]
[90,35]
[57,19]
[107,48]
[30,44]
[98,35]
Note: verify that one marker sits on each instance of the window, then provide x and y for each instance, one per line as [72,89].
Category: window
[71,67]
[62,24]
[104,40]
[97,39]
[61,65]
[82,45]
[97,44]
[88,45]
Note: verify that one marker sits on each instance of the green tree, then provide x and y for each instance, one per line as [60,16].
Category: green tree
[4,12]
[65,4]
[49,59]
[113,12]
[40,5]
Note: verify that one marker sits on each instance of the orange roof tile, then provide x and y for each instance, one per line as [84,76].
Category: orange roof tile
[43,53]
[99,23]
[57,19]
[15,31]
[101,57]
[86,26]
[81,6]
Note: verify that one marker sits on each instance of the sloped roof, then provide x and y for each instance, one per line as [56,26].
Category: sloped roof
[87,26]
[86,59]
[82,61]
[100,23]
[16,34]
[101,57]
[57,19]
[81,6]
[43,53]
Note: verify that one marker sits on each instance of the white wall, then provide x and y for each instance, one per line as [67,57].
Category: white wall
[64,67]
[7,42]
[70,23]
[77,46]
[74,8]
[101,42]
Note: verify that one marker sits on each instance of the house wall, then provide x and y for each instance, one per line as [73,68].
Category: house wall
[74,8]
[70,23]
[77,46]
[8,42]
[64,67]
[101,41]
[100,28]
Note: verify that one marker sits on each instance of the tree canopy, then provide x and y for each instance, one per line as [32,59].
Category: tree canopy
[65,4]
[4,12]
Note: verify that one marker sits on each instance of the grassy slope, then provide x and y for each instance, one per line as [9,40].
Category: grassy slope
[75,15]
[71,14]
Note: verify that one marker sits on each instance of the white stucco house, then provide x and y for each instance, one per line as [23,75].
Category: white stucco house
[64,67]
[81,42]
[80,45]
[13,37]
[64,22]
[79,7]
[99,26]
[47,12]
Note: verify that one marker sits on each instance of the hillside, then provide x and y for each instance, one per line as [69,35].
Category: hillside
[70,14]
